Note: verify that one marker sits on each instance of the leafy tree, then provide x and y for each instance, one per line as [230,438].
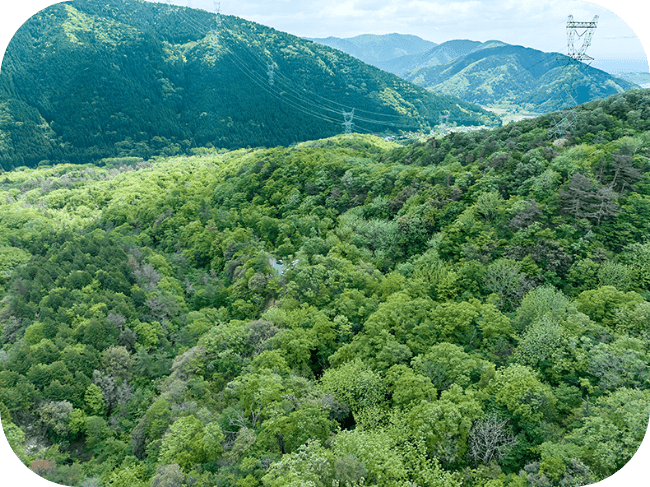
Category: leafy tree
[518,389]
[543,301]
[407,387]
[94,400]
[244,440]
[307,423]
[130,475]
[620,364]
[444,425]
[609,436]
[117,362]
[355,385]
[600,304]
[446,364]
[55,417]
[168,476]
[157,418]
[311,463]
[504,278]
[188,442]
[547,347]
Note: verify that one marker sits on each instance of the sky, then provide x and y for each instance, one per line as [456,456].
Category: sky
[540,24]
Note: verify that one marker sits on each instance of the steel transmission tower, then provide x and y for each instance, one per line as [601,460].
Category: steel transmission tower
[348,117]
[580,29]
[566,122]
[270,72]
[214,33]
[444,120]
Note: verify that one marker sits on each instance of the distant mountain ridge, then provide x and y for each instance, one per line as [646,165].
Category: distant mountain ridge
[516,75]
[495,73]
[440,54]
[92,79]
[378,50]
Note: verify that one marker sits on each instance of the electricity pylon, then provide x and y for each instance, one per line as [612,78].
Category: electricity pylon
[580,29]
[444,120]
[348,117]
[570,66]
[270,72]
[214,33]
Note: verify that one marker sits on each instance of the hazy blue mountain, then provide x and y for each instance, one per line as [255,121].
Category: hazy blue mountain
[516,75]
[378,49]
[640,78]
[84,80]
[440,54]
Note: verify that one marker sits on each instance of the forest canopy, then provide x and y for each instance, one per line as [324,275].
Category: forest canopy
[462,311]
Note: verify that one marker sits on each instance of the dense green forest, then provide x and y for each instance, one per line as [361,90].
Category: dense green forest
[90,79]
[466,311]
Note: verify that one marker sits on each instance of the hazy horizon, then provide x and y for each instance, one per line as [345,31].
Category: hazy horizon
[540,24]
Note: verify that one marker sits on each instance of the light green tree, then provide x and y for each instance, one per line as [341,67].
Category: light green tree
[446,364]
[613,431]
[310,466]
[519,389]
[444,425]
[355,385]
[601,304]
[541,301]
[188,442]
[128,476]
[94,401]
[408,387]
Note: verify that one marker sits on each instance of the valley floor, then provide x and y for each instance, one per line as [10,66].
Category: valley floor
[511,113]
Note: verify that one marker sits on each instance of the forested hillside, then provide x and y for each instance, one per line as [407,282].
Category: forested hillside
[89,79]
[494,73]
[517,76]
[466,311]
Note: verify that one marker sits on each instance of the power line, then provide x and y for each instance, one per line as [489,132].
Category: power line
[259,81]
[271,73]
[299,98]
[348,117]
[214,33]
[308,97]
[565,123]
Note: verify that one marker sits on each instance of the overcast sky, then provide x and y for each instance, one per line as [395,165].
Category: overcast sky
[540,24]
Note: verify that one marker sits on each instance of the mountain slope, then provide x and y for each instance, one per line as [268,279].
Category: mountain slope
[516,75]
[85,80]
[440,54]
[378,50]
[493,72]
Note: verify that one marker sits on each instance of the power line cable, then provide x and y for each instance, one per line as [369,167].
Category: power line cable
[299,97]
